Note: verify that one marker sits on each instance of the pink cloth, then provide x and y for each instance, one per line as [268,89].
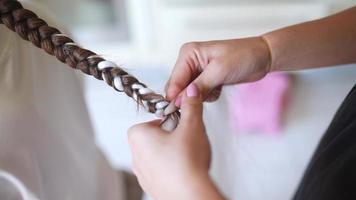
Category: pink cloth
[259,106]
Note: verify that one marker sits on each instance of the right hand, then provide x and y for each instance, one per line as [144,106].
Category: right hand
[210,65]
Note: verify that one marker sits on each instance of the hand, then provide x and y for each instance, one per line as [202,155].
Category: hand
[213,64]
[175,165]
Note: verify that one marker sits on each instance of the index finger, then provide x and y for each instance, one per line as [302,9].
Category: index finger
[184,72]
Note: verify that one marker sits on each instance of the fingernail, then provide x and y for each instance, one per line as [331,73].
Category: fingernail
[192,90]
[178,101]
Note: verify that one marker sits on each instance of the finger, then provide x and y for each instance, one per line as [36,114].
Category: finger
[140,132]
[209,79]
[185,70]
[141,181]
[208,85]
[191,109]
[135,168]
[144,127]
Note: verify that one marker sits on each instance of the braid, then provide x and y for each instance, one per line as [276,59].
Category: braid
[34,29]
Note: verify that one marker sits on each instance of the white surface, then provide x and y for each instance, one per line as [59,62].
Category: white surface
[250,166]
[226,21]
[158,29]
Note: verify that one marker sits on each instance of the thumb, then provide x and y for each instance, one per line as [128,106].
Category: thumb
[210,81]
[191,108]
[208,84]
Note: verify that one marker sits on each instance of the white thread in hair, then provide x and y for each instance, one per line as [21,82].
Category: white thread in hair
[137,86]
[144,91]
[104,77]
[94,56]
[155,100]
[171,108]
[118,84]
[106,64]
[134,96]
[159,113]
[161,105]
[170,122]
[60,34]
[145,105]
[71,44]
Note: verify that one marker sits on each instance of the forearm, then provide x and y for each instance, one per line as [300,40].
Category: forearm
[325,42]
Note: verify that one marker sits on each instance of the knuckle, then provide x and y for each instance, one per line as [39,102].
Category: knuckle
[190,46]
[190,102]
[130,138]
[189,114]
[189,110]
[132,129]
[133,133]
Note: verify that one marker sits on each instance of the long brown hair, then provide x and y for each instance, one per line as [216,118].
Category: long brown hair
[34,29]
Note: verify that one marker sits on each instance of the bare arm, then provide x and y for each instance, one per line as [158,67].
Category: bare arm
[324,42]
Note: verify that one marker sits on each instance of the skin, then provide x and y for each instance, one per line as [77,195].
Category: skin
[175,165]
[185,156]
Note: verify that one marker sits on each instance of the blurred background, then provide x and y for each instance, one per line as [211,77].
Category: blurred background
[144,36]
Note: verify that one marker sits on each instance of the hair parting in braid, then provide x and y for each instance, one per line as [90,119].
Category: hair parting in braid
[34,29]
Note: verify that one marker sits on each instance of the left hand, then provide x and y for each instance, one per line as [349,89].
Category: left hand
[174,165]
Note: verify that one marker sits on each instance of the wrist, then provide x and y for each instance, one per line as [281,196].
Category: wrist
[268,50]
[201,187]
